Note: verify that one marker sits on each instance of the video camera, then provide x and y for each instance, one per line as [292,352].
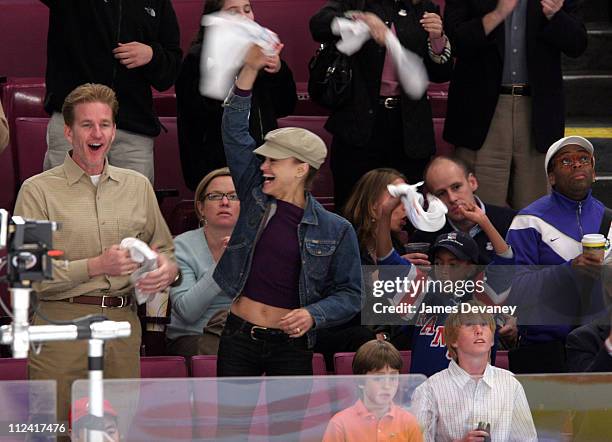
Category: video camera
[29,244]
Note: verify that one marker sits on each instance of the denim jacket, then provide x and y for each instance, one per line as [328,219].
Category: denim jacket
[330,278]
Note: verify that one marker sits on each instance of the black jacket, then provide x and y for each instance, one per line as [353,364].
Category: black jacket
[586,351]
[199,118]
[82,36]
[354,122]
[500,217]
[474,88]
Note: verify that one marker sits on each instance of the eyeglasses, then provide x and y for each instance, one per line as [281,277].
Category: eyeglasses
[568,161]
[217,196]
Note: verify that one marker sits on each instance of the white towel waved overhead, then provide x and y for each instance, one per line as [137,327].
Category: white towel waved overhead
[431,220]
[409,66]
[227,41]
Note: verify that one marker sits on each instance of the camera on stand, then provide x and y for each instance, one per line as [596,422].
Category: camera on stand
[29,246]
[29,259]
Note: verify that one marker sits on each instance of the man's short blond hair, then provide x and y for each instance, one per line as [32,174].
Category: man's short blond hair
[454,321]
[89,93]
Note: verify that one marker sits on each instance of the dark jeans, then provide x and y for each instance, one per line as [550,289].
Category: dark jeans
[276,355]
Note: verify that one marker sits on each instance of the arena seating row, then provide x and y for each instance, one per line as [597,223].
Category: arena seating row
[206,366]
[23,102]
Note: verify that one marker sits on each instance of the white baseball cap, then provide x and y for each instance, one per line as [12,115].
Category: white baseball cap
[566,141]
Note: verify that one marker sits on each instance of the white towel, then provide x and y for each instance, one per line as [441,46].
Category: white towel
[141,253]
[431,220]
[411,71]
[227,41]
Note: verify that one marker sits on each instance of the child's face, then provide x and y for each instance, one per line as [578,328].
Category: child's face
[380,388]
[449,267]
[474,339]
[110,428]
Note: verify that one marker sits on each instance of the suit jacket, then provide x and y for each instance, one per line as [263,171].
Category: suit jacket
[586,350]
[474,87]
[354,122]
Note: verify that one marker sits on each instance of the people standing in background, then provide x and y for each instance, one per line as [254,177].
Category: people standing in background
[380,126]
[129,46]
[199,118]
[505,100]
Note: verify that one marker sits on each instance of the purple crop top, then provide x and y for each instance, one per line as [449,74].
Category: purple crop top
[275,271]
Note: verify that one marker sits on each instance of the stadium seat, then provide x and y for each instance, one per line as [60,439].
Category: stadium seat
[13,369]
[406,360]
[501,360]
[163,367]
[29,144]
[183,218]
[438,98]
[318,365]
[204,366]
[442,146]
[343,362]
[324,185]
[169,184]
[8,191]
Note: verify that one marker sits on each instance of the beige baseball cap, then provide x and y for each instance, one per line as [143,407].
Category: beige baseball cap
[566,141]
[294,142]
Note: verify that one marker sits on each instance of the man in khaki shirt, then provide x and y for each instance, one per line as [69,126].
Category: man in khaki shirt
[4,130]
[97,205]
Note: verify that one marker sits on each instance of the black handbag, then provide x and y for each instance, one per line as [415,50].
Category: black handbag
[331,74]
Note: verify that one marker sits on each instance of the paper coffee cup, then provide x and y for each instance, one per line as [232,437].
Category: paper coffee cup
[594,244]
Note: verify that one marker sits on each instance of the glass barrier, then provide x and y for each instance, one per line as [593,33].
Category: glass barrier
[570,407]
[28,411]
[241,409]
[567,407]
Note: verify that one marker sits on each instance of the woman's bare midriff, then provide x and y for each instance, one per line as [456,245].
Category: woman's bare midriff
[258,313]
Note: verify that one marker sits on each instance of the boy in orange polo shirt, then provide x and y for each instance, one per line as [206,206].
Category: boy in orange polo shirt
[374,417]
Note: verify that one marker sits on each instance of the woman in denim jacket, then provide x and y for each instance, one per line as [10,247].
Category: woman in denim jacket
[291,266]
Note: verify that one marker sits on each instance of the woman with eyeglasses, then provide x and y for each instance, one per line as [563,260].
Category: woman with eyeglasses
[199,306]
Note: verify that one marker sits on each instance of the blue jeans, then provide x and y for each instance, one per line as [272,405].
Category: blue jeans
[270,352]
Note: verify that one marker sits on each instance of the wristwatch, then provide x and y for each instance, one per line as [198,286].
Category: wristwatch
[178,279]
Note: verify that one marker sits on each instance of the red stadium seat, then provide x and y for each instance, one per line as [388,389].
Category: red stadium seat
[343,362]
[169,181]
[183,218]
[438,98]
[442,146]
[406,361]
[163,367]
[7,179]
[204,366]
[29,144]
[324,185]
[318,365]
[13,369]
[501,360]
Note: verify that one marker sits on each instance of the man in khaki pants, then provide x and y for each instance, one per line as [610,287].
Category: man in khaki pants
[97,205]
[505,99]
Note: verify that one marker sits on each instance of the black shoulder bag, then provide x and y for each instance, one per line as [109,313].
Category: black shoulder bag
[331,74]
